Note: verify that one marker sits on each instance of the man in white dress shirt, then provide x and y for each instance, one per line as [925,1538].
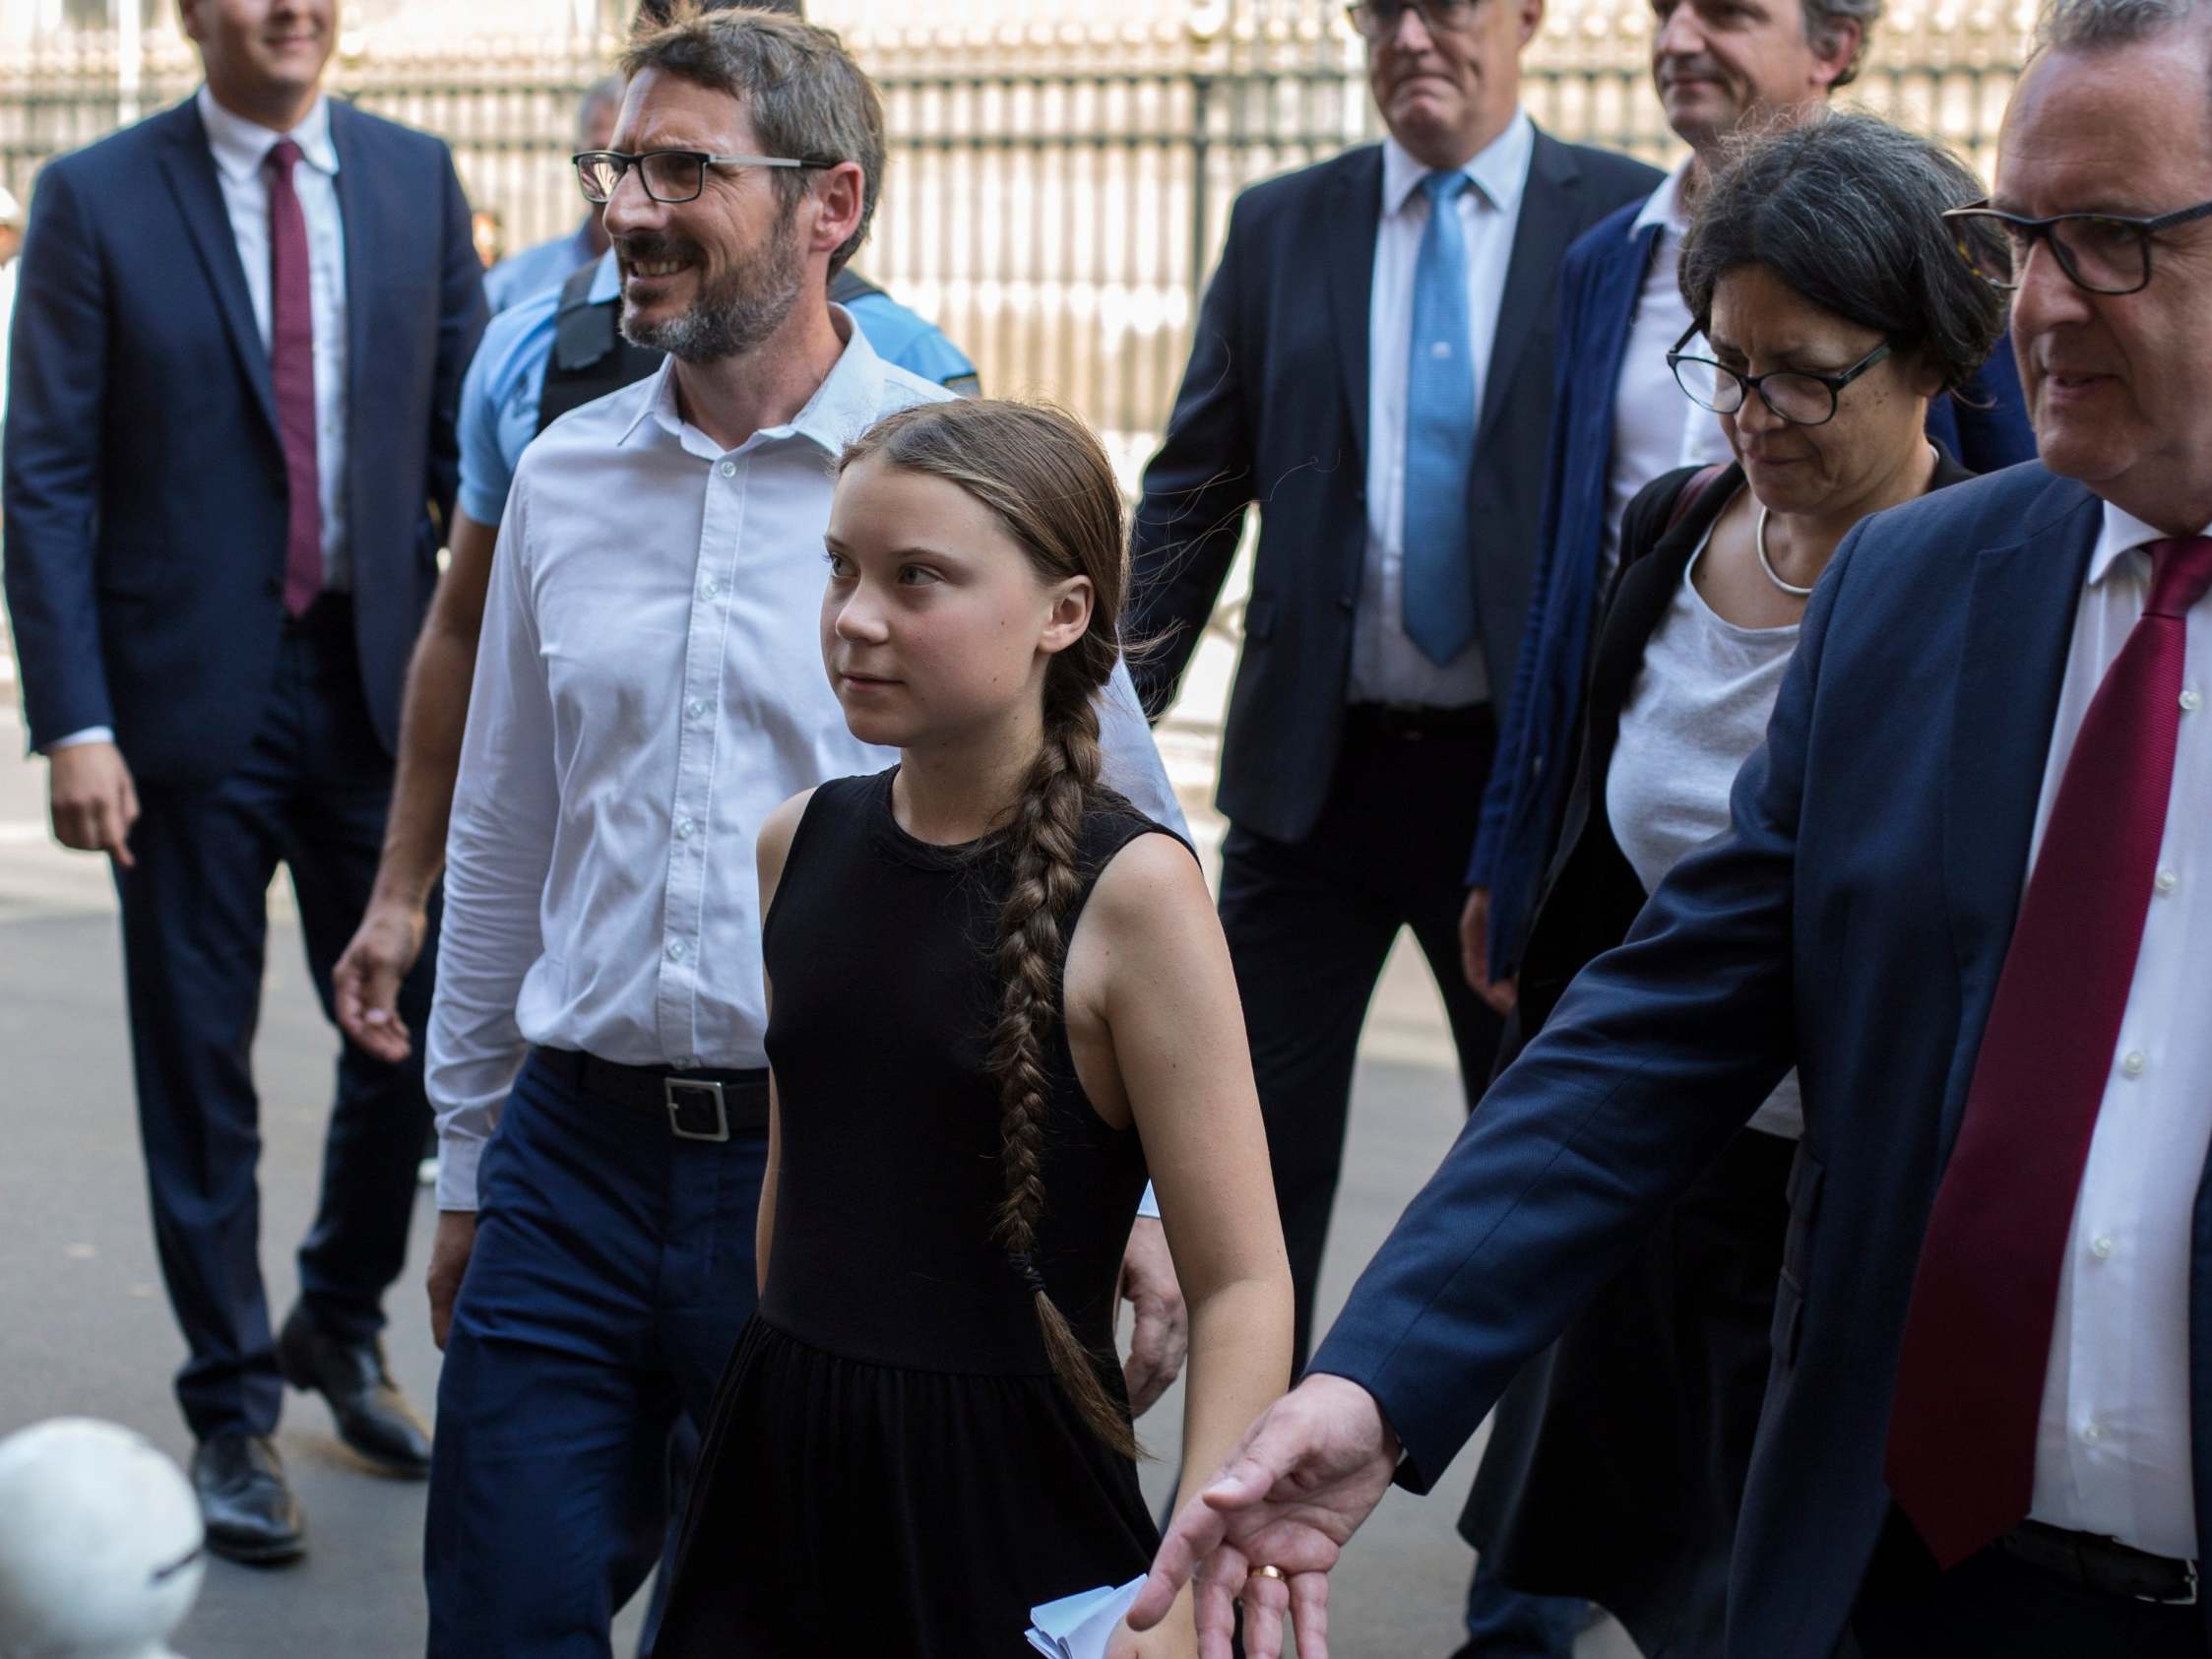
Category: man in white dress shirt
[1966,890]
[649,687]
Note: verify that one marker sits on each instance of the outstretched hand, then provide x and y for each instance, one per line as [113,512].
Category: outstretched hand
[1293,1492]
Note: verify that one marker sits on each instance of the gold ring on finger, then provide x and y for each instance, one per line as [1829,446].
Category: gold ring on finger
[1274,1572]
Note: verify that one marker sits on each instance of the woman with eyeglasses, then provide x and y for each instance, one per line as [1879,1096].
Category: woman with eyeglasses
[1833,305]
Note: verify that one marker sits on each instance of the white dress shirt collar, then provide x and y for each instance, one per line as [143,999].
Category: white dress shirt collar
[240,145]
[2121,533]
[1499,170]
[843,407]
[1664,206]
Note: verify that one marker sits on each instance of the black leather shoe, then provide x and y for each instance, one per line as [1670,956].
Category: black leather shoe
[373,1417]
[250,1512]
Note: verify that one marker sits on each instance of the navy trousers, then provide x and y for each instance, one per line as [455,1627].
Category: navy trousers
[612,1271]
[311,796]
[1310,926]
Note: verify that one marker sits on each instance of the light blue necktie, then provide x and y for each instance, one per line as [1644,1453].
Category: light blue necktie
[1439,555]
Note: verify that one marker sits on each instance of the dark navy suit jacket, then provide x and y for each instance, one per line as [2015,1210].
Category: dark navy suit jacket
[1852,921]
[1599,285]
[146,494]
[1273,410]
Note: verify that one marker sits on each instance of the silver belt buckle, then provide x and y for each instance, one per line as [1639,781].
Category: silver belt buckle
[669,1087]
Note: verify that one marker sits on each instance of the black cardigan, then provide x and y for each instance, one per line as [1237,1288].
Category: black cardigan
[1591,894]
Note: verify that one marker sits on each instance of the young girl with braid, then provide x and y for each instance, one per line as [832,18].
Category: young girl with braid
[998,998]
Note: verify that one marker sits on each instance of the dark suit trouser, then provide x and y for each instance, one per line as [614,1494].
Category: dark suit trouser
[612,1271]
[311,794]
[1310,926]
[1993,1605]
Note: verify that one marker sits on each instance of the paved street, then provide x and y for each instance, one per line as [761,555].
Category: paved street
[86,1329]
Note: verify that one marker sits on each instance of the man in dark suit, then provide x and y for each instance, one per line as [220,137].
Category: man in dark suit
[1720,68]
[1966,890]
[241,327]
[1374,371]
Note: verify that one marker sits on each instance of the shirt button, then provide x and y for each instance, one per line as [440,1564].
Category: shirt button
[729,468]
[2101,1247]
[2092,1433]
[2191,700]
[2134,1063]
[2167,882]
[689,1062]
[711,587]
[675,951]
[684,827]
[696,708]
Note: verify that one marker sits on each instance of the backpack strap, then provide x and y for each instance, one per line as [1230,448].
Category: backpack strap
[849,284]
[1694,489]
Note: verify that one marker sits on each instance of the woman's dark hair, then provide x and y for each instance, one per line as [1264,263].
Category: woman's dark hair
[1847,211]
[1051,487]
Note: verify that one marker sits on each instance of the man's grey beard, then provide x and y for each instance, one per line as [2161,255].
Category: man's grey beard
[734,314]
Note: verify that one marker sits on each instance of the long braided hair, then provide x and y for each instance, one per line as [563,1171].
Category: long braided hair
[1052,486]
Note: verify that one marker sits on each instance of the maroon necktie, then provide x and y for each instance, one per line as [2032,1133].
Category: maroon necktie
[291,367]
[1962,1430]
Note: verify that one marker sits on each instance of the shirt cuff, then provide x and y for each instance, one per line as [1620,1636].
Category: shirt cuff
[91,735]
[1148,1207]
[458,1155]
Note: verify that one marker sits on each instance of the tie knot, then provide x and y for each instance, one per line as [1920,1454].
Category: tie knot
[2180,572]
[283,156]
[1445,187]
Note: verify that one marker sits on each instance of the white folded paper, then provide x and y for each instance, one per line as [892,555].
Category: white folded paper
[1079,1626]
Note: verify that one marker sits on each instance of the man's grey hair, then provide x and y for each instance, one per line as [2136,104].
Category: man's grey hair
[603,94]
[800,87]
[2093,24]
[1821,21]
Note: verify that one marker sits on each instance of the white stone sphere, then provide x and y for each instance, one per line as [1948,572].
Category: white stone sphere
[99,1544]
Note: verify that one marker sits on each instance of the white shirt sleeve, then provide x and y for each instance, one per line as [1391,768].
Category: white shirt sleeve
[1132,759]
[499,850]
[91,735]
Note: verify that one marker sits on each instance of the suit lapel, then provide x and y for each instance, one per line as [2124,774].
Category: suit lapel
[355,181]
[1349,225]
[1540,242]
[2019,629]
[190,170]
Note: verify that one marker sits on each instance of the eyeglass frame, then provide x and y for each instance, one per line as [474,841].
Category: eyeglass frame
[2041,230]
[1751,383]
[1353,9]
[633,160]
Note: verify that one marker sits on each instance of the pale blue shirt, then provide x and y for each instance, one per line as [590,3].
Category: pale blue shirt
[648,688]
[534,270]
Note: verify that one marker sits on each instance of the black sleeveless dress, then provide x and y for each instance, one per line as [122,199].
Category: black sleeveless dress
[891,1467]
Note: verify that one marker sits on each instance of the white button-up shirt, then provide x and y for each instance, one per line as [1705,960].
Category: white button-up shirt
[2112,1448]
[241,156]
[648,688]
[1387,666]
[1656,428]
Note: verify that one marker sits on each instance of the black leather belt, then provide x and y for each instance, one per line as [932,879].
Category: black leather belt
[1418,723]
[699,1104]
[2103,1564]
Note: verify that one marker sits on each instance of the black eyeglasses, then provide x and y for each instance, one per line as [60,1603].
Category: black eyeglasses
[1377,20]
[668,175]
[2105,253]
[1795,395]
